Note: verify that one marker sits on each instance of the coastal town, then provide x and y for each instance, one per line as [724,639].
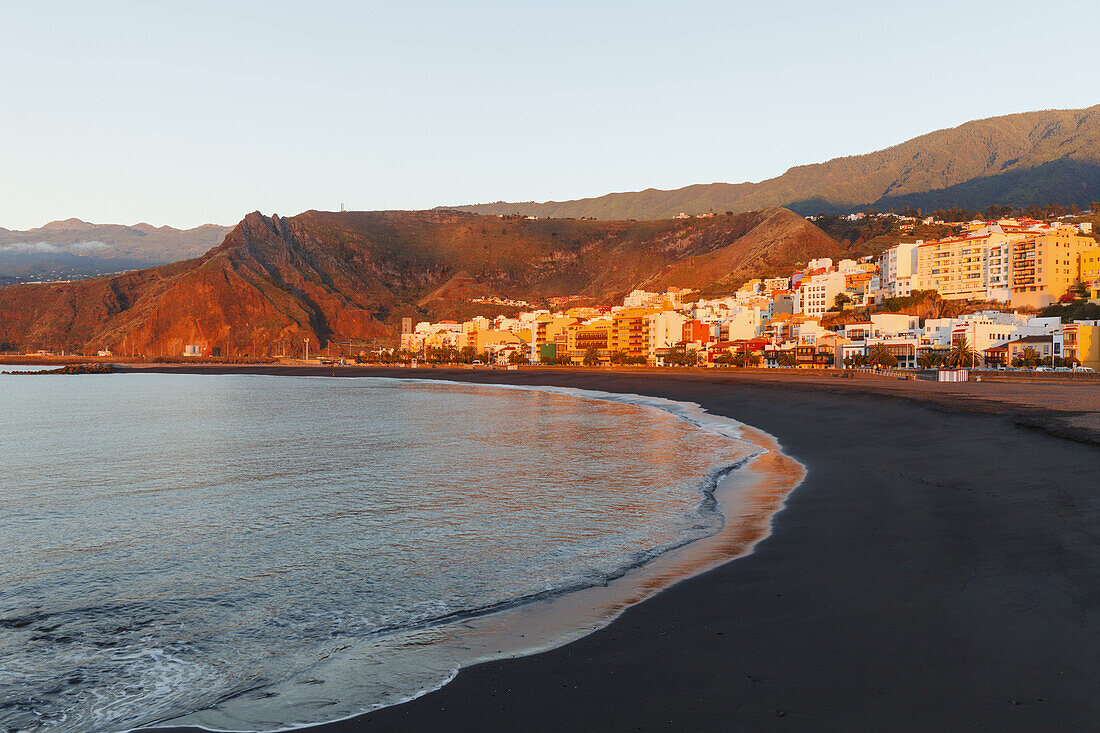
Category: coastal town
[978,296]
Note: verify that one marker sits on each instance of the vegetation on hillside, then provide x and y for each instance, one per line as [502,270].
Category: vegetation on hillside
[873,234]
[1052,156]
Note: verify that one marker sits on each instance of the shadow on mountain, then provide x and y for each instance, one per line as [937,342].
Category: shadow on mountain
[1065,182]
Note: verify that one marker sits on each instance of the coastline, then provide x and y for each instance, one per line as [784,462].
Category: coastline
[931,571]
[745,493]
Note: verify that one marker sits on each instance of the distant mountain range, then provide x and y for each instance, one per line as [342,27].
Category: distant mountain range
[74,249]
[1027,159]
[339,277]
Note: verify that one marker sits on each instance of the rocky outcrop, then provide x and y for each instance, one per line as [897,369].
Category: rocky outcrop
[330,277]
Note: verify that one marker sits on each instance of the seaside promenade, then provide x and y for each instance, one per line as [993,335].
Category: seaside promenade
[936,570]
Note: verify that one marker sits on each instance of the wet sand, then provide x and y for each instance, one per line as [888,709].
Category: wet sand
[938,568]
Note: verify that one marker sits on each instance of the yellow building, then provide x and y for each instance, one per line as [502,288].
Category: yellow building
[629,330]
[481,340]
[1090,267]
[974,267]
[1044,267]
[580,337]
[1088,345]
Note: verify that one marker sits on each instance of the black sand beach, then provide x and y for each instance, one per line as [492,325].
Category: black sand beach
[938,569]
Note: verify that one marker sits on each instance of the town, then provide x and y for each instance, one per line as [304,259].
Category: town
[978,295]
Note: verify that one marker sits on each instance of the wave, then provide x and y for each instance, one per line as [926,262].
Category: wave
[488,620]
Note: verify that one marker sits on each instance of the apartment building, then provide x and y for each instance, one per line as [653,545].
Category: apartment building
[663,330]
[816,294]
[629,330]
[595,334]
[897,266]
[1045,266]
[1090,267]
[972,266]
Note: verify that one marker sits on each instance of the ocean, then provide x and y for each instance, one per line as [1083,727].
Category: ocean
[245,552]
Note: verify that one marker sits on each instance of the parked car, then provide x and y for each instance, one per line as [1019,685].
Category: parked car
[1087,370]
[1043,369]
[1062,369]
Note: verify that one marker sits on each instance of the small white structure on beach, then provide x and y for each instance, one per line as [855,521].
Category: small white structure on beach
[953,375]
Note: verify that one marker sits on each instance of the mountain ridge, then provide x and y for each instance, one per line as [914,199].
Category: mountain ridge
[83,249]
[914,172]
[335,277]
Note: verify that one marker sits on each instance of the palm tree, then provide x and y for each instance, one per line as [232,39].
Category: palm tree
[1029,357]
[927,360]
[880,355]
[962,355]
[591,357]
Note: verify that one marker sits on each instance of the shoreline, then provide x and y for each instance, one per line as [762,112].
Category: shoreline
[746,494]
[936,569]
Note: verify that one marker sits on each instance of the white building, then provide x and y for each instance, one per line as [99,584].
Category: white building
[986,329]
[897,266]
[741,323]
[817,295]
[772,284]
[663,330]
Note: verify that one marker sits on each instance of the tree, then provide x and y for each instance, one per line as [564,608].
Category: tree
[840,300]
[620,356]
[518,357]
[880,355]
[746,358]
[786,359]
[1029,357]
[962,354]
[928,360]
[591,357]
[680,355]
[467,354]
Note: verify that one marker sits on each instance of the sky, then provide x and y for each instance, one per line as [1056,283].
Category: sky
[188,113]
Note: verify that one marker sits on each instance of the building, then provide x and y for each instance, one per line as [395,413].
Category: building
[1044,346]
[1090,267]
[817,294]
[595,334]
[698,331]
[629,331]
[1046,266]
[973,266]
[897,266]
[1086,347]
[663,331]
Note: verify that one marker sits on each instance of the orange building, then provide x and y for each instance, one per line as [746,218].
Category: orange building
[629,330]
[1044,267]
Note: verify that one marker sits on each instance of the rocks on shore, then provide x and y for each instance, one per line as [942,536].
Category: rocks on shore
[76,369]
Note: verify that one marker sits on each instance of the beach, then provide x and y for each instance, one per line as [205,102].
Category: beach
[937,569]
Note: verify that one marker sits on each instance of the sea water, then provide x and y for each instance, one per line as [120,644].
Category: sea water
[260,552]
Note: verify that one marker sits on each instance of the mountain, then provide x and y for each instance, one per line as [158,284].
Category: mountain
[74,249]
[347,276]
[1033,158]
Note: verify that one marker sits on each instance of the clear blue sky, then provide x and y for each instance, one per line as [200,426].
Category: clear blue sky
[182,113]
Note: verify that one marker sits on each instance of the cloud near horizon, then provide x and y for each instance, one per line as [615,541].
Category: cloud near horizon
[50,247]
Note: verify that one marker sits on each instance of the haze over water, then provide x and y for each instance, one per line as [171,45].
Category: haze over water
[281,549]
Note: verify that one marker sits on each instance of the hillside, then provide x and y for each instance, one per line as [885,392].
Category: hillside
[73,249]
[338,277]
[1023,160]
